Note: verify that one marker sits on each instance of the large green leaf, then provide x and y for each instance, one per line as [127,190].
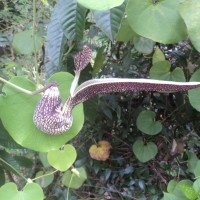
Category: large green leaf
[144,152]
[189,10]
[147,124]
[125,32]
[162,71]
[23,42]
[158,21]
[8,162]
[62,159]
[6,140]
[2,176]
[30,191]
[17,115]
[194,95]
[55,42]
[72,19]
[109,21]
[100,4]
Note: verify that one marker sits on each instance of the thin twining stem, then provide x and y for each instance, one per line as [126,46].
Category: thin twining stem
[28,91]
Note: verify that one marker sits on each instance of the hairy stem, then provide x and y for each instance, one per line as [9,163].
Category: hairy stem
[10,166]
[28,91]
[34,46]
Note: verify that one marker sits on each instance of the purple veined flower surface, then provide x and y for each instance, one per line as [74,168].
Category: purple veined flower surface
[82,59]
[51,118]
[48,116]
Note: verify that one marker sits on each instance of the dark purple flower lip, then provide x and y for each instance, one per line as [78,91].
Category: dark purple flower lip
[82,59]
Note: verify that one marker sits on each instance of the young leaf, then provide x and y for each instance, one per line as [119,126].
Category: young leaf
[158,56]
[45,178]
[144,152]
[74,181]
[162,71]
[23,42]
[147,124]
[143,45]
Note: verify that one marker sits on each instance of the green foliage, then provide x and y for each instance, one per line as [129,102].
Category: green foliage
[158,56]
[162,71]
[147,124]
[74,180]
[100,5]
[109,21]
[45,178]
[127,39]
[9,191]
[62,159]
[29,136]
[144,152]
[23,42]
[194,94]
[158,21]
[188,11]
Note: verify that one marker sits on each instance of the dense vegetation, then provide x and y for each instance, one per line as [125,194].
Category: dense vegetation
[154,135]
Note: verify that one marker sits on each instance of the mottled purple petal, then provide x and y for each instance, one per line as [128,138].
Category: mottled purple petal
[102,86]
[82,58]
[48,116]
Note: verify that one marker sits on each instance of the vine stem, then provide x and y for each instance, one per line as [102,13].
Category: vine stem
[27,91]
[13,169]
[44,175]
[34,46]
[69,186]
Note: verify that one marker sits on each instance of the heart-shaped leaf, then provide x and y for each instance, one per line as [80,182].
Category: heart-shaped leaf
[144,152]
[158,56]
[62,159]
[143,45]
[100,4]
[9,191]
[17,111]
[196,185]
[194,95]
[44,179]
[160,21]
[23,42]
[77,180]
[162,71]
[189,11]
[147,124]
